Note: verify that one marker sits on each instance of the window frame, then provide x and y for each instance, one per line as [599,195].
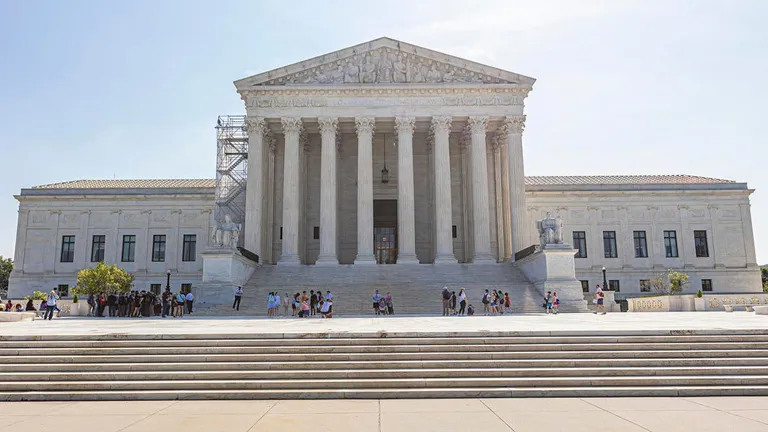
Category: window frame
[189,241]
[580,243]
[645,285]
[584,286]
[670,244]
[159,247]
[700,243]
[158,286]
[641,244]
[67,249]
[617,285]
[129,248]
[609,239]
[709,283]
[63,290]
[102,247]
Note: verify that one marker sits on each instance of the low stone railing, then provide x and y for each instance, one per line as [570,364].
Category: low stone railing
[689,302]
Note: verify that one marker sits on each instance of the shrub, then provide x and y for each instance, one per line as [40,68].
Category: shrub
[108,279]
[699,294]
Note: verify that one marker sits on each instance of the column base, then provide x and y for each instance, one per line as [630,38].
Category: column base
[445,259]
[483,258]
[365,259]
[407,259]
[329,260]
[289,260]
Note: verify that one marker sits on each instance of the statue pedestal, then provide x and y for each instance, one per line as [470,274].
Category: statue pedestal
[224,269]
[552,269]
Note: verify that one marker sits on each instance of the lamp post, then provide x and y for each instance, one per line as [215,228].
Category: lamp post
[168,280]
[605,282]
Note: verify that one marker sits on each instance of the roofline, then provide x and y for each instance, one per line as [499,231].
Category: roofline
[343,53]
[639,187]
[30,192]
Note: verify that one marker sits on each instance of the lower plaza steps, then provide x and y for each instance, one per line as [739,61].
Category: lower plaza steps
[415,288]
[338,365]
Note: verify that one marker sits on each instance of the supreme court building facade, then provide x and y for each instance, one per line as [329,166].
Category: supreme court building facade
[392,154]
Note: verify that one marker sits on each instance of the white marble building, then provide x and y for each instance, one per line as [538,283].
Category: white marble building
[449,131]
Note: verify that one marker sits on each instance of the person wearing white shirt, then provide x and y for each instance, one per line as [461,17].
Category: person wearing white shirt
[238,296]
[462,301]
[50,304]
[190,299]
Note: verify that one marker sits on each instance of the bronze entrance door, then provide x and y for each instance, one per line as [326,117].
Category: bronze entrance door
[385,231]
[385,245]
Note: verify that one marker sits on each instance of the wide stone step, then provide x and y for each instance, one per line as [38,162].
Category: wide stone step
[480,355]
[447,373]
[401,393]
[453,382]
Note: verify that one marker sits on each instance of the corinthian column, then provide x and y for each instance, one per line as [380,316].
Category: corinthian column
[406,224]
[291,129]
[481,219]
[514,126]
[328,191]
[441,128]
[254,191]
[364,127]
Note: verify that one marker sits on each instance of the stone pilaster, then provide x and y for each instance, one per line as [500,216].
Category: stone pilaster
[328,189]
[748,233]
[514,126]
[254,192]
[441,128]
[291,129]
[406,219]
[364,126]
[497,144]
[21,241]
[481,219]
[505,203]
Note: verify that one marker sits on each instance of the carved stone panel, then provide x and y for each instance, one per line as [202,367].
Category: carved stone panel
[132,219]
[69,219]
[39,218]
[100,219]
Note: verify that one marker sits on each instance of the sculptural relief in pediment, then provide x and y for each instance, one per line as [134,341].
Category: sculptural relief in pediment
[385,66]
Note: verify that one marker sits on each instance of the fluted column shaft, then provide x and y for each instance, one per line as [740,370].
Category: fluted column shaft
[328,206]
[441,128]
[481,219]
[364,126]
[254,191]
[514,126]
[291,129]
[507,214]
[406,219]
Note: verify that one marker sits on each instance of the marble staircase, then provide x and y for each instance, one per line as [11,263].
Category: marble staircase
[400,365]
[415,288]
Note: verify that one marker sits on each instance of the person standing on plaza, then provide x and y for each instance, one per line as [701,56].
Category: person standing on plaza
[312,302]
[507,303]
[238,297]
[548,301]
[555,302]
[164,301]
[453,302]
[329,297]
[286,304]
[446,297]
[376,299]
[190,300]
[390,305]
[91,305]
[462,301]
[599,300]
[486,301]
[50,305]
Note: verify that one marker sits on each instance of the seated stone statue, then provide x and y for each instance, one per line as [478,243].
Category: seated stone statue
[550,230]
[225,234]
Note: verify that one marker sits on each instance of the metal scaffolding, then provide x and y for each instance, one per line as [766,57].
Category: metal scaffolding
[231,167]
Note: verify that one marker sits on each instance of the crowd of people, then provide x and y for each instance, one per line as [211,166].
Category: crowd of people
[141,304]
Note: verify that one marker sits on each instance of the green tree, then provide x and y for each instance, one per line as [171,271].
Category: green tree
[764,274]
[107,279]
[6,266]
[677,281]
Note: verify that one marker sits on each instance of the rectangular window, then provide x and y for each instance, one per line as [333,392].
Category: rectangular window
[454,231]
[613,285]
[645,285]
[158,248]
[585,286]
[68,248]
[189,249]
[155,288]
[706,285]
[609,244]
[580,243]
[63,290]
[186,288]
[316,233]
[670,244]
[700,240]
[641,245]
[129,248]
[97,248]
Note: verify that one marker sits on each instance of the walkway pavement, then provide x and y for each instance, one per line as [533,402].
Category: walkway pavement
[716,414]
[624,323]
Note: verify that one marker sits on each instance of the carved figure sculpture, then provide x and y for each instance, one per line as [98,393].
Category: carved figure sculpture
[401,71]
[550,230]
[225,234]
[352,74]
[433,75]
[368,74]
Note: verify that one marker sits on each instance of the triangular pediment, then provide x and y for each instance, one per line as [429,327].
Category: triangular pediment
[384,61]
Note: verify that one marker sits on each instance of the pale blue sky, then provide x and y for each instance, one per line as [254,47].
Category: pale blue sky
[131,89]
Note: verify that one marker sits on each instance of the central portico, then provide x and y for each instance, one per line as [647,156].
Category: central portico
[385,152]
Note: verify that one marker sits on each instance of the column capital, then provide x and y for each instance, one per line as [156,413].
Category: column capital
[328,124]
[291,124]
[513,124]
[255,125]
[477,124]
[405,124]
[498,142]
[364,124]
[441,124]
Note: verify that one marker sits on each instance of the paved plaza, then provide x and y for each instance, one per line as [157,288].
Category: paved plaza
[531,324]
[715,414]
